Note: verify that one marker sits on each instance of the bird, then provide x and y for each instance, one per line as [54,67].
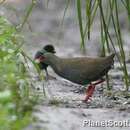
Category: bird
[47,48]
[80,70]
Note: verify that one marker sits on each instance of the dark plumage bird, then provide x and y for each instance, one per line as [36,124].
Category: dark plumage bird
[80,70]
[46,48]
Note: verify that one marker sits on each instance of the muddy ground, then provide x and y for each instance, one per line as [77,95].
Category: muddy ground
[63,109]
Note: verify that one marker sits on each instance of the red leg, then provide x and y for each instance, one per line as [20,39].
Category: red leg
[90,90]
[98,82]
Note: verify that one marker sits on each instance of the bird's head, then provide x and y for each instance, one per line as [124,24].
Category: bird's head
[46,58]
[49,48]
[40,56]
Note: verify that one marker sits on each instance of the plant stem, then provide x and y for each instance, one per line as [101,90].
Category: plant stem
[79,12]
[27,14]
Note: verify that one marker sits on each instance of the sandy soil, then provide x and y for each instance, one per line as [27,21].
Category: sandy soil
[63,107]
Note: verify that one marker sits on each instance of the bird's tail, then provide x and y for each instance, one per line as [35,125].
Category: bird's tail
[107,64]
[112,55]
[110,60]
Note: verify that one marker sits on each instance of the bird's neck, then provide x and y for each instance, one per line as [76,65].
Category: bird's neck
[55,63]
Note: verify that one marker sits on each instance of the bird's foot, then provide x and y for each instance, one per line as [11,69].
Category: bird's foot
[49,77]
[87,99]
[89,92]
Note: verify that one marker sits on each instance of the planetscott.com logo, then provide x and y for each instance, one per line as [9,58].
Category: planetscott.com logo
[106,123]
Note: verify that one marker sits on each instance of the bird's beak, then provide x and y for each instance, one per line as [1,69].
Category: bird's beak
[39,59]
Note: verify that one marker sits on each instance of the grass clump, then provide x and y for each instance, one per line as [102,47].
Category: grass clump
[15,100]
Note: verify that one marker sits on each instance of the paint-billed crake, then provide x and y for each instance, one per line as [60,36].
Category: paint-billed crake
[80,70]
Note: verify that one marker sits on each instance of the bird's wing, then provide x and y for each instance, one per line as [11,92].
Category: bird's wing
[86,68]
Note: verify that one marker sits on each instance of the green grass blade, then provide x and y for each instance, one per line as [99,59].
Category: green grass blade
[88,16]
[128,8]
[93,14]
[79,12]
[126,77]
[65,10]
[27,14]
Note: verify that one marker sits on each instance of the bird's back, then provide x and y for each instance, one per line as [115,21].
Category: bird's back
[83,70]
